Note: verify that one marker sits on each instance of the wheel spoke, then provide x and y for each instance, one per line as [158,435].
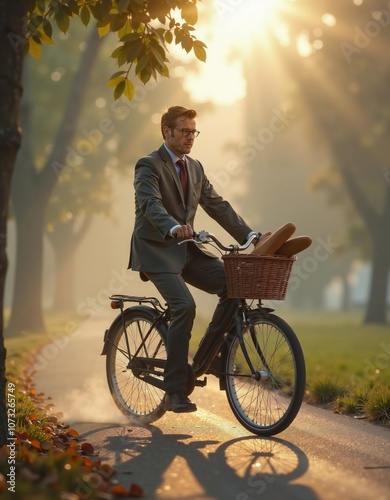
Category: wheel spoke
[267,401]
[132,395]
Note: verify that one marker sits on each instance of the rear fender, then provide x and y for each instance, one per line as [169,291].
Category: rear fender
[118,322]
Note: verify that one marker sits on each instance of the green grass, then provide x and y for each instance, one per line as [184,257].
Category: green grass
[336,345]
[341,347]
[347,362]
[21,348]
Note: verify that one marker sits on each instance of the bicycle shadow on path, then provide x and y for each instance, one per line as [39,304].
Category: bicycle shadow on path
[169,465]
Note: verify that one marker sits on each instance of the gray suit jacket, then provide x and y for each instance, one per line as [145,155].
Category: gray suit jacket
[159,205]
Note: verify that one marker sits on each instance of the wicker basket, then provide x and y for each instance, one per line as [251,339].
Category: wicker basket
[256,276]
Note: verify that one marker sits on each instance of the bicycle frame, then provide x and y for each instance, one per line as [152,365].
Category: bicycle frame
[207,350]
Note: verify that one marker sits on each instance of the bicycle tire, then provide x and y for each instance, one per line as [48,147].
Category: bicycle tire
[134,397]
[268,405]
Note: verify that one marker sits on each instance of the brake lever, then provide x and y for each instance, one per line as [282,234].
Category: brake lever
[201,237]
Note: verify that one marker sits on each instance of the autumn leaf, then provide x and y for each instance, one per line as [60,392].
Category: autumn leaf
[119,490]
[72,432]
[36,445]
[199,50]
[136,491]
[87,448]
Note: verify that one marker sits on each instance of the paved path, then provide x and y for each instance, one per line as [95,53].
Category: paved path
[207,454]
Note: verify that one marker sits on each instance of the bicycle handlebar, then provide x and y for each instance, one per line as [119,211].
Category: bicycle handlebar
[202,237]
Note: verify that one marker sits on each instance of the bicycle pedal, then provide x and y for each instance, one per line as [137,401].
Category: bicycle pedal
[201,383]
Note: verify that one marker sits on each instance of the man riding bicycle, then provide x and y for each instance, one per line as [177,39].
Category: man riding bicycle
[169,187]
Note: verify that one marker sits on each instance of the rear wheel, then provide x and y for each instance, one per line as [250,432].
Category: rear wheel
[267,401]
[133,396]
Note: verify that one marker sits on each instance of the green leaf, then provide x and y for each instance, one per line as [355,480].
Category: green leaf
[85,15]
[73,6]
[122,56]
[119,89]
[142,63]
[131,37]
[168,37]
[103,30]
[133,51]
[117,74]
[62,20]
[129,90]
[190,13]
[164,71]
[115,79]
[116,52]
[125,30]
[117,22]
[35,49]
[47,28]
[41,6]
[178,36]
[145,75]
[122,5]
[158,52]
[199,50]
[187,43]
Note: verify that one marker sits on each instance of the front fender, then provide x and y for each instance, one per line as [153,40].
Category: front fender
[118,322]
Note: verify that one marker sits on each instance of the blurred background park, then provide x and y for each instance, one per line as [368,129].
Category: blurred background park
[294,113]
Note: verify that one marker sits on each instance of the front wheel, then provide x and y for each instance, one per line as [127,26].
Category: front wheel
[133,396]
[267,401]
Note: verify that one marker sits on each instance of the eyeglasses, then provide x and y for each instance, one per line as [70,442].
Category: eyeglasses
[186,132]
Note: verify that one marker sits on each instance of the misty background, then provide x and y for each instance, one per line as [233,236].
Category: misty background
[261,144]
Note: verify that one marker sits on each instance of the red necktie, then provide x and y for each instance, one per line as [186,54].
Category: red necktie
[183,177]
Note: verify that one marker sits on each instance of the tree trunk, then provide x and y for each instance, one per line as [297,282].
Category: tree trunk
[11,63]
[29,209]
[31,193]
[65,239]
[376,311]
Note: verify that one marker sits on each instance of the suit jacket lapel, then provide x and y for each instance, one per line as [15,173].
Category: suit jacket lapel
[172,168]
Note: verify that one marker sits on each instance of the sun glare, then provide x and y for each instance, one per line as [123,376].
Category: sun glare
[250,20]
[231,32]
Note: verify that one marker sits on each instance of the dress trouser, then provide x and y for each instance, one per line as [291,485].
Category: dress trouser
[207,274]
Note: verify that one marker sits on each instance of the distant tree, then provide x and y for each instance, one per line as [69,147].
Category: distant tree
[31,191]
[25,26]
[344,81]
[335,57]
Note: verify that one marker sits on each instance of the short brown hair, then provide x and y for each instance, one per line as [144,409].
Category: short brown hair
[169,118]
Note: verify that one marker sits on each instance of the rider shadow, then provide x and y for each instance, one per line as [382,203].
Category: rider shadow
[239,469]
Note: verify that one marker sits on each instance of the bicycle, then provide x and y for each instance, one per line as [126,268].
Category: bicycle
[261,363]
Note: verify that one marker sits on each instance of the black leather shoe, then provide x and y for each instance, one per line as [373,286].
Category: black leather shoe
[178,402]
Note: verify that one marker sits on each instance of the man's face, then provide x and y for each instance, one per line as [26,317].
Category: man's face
[176,141]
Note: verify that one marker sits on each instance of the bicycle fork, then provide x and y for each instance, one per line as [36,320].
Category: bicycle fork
[240,320]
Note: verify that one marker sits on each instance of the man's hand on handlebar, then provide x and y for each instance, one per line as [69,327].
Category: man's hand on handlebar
[184,232]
